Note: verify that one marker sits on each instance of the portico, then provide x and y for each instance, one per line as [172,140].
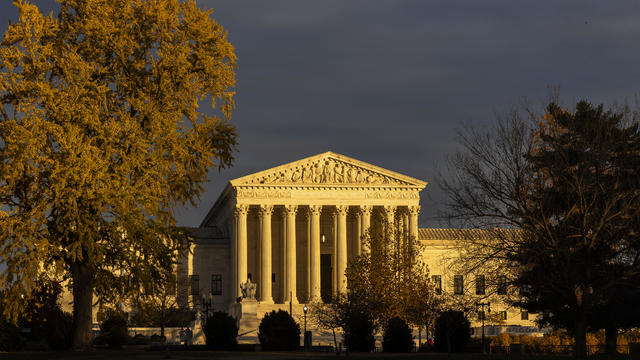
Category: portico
[292,230]
[294,227]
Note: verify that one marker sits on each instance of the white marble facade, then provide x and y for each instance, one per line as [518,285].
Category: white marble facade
[291,230]
[288,228]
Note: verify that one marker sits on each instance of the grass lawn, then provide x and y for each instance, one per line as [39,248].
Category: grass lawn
[195,355]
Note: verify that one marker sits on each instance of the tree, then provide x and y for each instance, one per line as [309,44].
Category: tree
[221,331]
[617,312]
[351,314]
[101,136]
[397,336]
[44,316]
[567,181]
[114,329]
[392,278]
[330,315]
[160,307]
[279,331]
[452,331]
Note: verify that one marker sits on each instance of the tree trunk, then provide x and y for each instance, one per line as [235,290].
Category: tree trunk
[163,319]
[82,277]
[580,336]
[611,339]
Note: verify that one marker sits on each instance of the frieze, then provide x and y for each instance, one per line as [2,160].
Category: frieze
[327,171]
[264,193]
[391,195]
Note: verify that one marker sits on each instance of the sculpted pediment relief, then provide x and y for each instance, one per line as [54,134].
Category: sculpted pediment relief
[328,169]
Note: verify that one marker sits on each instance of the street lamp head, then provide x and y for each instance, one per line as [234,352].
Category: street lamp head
[305,308]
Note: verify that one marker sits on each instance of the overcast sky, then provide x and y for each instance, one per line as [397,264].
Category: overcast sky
[388,82]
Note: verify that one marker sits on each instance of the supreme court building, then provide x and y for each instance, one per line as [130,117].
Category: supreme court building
[292,229]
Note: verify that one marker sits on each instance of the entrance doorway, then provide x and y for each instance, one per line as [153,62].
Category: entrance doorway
[325,277]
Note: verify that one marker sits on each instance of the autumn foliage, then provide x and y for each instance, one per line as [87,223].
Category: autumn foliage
[102,135]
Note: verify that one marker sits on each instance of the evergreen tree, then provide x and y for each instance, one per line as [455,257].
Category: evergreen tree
[568,182]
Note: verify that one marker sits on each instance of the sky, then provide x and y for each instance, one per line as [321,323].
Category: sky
[389,82]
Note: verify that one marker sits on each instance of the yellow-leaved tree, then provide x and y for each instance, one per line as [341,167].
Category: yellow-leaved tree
[391,278]
[101,137]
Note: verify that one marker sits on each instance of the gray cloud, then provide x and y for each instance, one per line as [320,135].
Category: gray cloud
[388,82]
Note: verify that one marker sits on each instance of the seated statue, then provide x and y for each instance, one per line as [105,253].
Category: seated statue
[248,290]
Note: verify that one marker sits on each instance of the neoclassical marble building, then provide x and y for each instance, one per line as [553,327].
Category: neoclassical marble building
[292,229]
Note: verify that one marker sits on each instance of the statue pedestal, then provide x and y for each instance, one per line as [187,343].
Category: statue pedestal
[246,312]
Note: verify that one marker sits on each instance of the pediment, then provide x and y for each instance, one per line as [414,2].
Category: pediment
[329,169]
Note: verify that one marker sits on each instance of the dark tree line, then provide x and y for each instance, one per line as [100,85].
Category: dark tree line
[567,181]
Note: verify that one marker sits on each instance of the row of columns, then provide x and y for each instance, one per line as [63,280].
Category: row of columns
[363,219]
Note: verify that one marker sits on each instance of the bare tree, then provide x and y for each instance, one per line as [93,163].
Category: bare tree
[566,182]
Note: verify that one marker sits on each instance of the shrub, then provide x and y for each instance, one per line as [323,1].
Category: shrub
[114,329]
[358,331]
[43,315]
[278,331]
[99,340]
[221,331]
[397,336]
[452,331]
[10,338]
[139,339]
[155,338]
[59,330]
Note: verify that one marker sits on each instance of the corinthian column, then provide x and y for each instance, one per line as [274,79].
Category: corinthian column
[365,221]
[341,258]
[413,221]
[390,212]
[314,252]
[358,233]
[290,264]
[265,254]
[240,223]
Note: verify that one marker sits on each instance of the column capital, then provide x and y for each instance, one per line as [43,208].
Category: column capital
[389,209]
[341,209]
[365,209]
[290,209]
[241,210]
[315,209]
[266,209]
[414,210]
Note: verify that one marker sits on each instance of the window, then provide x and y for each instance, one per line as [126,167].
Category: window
[216,284]
[502,285]
[195,284]
[524,315]
[502,315]
[437,281]
[273,277]
[479,284]
[458,285]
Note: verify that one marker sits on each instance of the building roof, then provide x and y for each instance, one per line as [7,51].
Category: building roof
[461,234]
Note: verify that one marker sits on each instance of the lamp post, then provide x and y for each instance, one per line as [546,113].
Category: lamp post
[305,309]
[306,341]
[481,306]
[206,305]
